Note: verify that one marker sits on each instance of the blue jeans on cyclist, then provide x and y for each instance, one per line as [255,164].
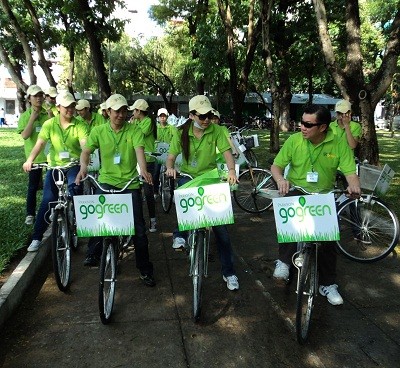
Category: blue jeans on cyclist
[222,239]
[140,240]
[50,195]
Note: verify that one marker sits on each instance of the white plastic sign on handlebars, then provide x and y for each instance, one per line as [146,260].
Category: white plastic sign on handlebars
[306,218]
[203,206]
[104,215]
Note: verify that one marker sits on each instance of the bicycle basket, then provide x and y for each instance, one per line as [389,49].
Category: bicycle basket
[251,141]
[375,178]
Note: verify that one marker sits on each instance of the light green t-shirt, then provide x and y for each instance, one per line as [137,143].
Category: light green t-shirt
[326,157]
[112,144]
[37,126]
[146,126]
[63,140]
[96,120]
[165,133]
[202,152]
[355,129]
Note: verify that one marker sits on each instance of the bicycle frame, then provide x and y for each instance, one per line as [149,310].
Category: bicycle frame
[192,245]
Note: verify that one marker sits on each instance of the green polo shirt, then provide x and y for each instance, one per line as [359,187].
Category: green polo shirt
[327,156]
[63,140]
[202,152]
[355,129]
[110,144]
[165,133]
[37,126]
[146,127]
[95,120]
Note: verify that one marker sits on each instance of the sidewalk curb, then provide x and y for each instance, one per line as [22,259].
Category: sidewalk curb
[12,292]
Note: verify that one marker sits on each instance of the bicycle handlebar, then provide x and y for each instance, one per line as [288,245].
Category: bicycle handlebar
[45,165]
[138,178]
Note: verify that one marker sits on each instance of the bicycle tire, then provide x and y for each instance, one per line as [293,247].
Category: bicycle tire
[197,274]
[306,294]
[247,196]
[61,250]
[369,229]
[251,157]
[108,279]
[167,192]
[72,225]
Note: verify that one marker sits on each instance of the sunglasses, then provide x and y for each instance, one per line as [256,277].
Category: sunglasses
[209,115]
[310,125]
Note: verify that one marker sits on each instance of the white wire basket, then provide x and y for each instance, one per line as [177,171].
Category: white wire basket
[375,179]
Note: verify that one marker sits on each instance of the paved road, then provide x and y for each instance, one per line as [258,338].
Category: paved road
[152,327]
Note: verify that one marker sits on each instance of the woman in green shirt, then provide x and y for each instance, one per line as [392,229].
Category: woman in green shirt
[198,141]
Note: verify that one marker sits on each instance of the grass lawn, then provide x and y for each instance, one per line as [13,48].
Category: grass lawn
[13,185]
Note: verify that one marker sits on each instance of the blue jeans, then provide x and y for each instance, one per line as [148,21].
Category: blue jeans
[140,240]
[50,194]
[222,239]
[34,177]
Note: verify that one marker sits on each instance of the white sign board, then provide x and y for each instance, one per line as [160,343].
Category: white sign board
[208,205]
[94,164]
[306,218]
[104,215]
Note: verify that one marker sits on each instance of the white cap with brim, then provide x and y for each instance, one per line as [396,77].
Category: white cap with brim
[139,104]
[81,104]
[343,106]
[52,92]
[115,102]
[33,90]
[65,99]
[201,104]
[103,106]
[216,113]
[162,111]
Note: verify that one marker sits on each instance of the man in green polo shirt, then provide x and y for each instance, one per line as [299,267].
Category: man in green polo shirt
[121,149]
[85,114]
[314,154]
[29,125]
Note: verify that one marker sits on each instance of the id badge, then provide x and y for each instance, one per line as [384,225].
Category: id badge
[312,177]
[117,159]
[64,155]
[38,129]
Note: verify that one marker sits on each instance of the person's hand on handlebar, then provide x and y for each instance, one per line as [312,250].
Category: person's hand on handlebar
[80,176]
[283,186]
[171,172]
[27,166]
[147,177]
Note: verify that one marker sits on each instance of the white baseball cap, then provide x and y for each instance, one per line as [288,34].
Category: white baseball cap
[201,104]
[115,102]
[140,104]
[162,111]
[343,106]
[33,90]
[65,99]
[51,91]
[81,104]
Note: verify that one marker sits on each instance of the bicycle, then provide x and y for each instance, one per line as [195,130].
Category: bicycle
[244,147]
[197,247]
[306,257]
[64,236]
[114,249]
[369,228]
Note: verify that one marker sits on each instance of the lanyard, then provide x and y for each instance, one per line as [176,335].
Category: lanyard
[116,142]
[64,137]
[311,158]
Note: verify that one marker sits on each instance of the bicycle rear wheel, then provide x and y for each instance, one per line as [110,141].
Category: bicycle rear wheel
[305,294]
[107,286]
[197,273]
[369,229]
[61,250]
[248,195]
[167,192]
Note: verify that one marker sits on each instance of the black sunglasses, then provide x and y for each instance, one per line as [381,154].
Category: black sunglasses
[209,115]
[310,125]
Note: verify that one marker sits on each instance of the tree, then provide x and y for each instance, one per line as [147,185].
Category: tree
[363,89]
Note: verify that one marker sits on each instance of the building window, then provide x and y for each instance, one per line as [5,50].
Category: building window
[10,107]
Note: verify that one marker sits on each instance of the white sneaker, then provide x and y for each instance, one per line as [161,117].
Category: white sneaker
[153,226]
[281,271]
[29,220]
[34,246]
[178,243]
[331,294]
[232,282]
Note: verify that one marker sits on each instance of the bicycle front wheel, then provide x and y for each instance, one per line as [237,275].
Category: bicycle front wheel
[167,191]
[305,294]
[248,195]
[61,250]
[369,229]
[72,224]
[197,274]
[108,279]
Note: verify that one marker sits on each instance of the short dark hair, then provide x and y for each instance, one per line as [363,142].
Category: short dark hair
[323,115]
